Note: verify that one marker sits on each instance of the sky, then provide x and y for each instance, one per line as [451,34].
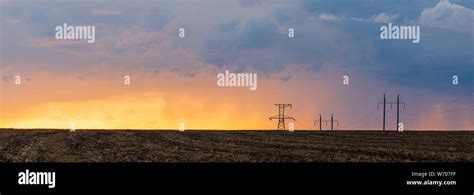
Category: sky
[173,80]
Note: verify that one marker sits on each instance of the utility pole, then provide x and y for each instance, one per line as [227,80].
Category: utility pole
[391,103]
[281,116]
[398,109]
[320,121]
[384,103]
[384,112]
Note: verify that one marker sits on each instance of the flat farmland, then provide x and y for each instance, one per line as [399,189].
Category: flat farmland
[234,146]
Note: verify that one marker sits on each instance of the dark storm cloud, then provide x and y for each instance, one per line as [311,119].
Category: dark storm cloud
[367,8]
[247,3]
[260,44]
[242,43]
[254,35]
[43,17]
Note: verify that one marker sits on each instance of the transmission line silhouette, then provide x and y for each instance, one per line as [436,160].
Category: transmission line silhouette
[384,103]
[326,122]
[281,116]
[458,105]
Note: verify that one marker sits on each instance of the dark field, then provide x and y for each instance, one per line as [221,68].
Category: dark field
[234,146]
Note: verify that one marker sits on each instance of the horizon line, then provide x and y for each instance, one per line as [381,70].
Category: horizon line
[127,129]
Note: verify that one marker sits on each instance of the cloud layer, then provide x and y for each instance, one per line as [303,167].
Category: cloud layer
[332,39]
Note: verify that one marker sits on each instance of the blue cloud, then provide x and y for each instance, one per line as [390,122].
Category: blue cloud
[257,38]
[367,8]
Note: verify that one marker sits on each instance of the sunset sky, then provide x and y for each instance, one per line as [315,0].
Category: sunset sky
[174,79]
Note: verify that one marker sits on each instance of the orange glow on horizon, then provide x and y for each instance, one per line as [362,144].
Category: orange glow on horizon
[103,102]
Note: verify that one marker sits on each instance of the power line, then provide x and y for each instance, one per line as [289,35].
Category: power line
[304,125]
[440,112]
[372,123]
[442,107]
[358,121]
[455,105]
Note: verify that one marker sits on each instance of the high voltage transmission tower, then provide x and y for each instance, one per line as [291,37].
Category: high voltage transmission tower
[391,103]
[281,116]
[326,122]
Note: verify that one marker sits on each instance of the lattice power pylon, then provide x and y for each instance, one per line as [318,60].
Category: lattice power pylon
[281,116]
